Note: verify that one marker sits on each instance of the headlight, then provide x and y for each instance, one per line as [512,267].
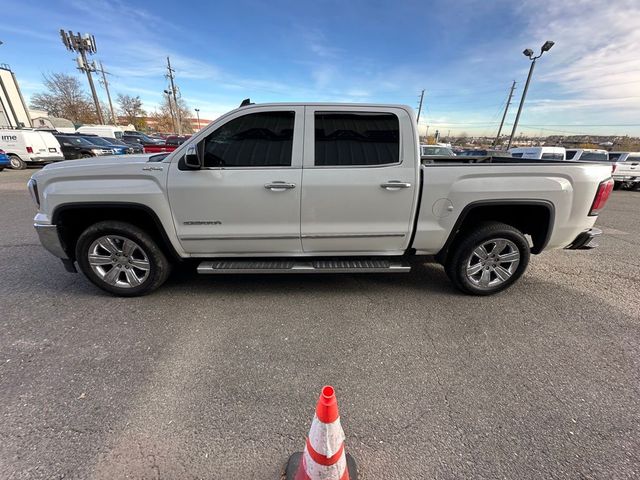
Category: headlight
[32,185]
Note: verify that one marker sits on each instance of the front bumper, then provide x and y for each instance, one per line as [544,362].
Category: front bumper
[586,240]
[50,239]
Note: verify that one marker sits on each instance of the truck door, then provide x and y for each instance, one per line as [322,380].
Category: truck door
[246,198]
[360,180]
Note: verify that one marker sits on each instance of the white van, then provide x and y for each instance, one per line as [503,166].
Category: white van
[101,130]
[540,153]
[29,147]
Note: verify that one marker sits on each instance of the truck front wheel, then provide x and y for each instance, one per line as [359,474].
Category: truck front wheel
[488,259]
[121,258]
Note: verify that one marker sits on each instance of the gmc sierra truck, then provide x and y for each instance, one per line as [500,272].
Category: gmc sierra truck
[312,188]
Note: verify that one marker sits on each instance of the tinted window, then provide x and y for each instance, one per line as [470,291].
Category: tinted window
[594,156]
[517,155]
[552,156]
[441,151]
[614,157]
[571,154]
[356,138]
[262,139]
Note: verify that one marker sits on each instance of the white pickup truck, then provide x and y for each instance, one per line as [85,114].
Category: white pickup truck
[312,188]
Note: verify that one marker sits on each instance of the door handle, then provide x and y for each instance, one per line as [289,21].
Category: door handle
[395,185]
[279,186]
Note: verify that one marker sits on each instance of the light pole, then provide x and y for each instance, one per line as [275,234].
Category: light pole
[528,53]
[198,115]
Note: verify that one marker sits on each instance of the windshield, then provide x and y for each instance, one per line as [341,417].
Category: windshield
[78,142]
[97,141]
[441,151]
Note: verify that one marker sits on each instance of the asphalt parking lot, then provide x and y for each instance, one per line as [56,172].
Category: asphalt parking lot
[217,377]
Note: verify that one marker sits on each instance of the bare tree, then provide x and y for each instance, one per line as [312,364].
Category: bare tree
[132,111]
[65,98]
[165,116]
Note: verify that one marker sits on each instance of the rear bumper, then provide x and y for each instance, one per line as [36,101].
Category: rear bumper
[50,159]
[50,239]
[585,240]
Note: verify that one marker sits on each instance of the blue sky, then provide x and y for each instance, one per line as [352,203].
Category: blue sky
[465,53]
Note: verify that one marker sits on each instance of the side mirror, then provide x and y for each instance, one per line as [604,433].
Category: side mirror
[192,159]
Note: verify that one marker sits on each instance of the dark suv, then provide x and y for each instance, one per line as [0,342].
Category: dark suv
[139,138]
[74,147]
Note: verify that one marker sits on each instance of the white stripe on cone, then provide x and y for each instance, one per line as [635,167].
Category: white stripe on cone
[316,471]
[326,438]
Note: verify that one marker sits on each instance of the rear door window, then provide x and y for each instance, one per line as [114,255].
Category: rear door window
[594,157]
[356,139]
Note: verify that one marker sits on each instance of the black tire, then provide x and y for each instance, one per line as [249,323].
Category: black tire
[17,163]
[86,155]
[461,256]
[159,266]
[617,185]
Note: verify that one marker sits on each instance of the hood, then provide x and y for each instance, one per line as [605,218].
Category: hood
[100,161]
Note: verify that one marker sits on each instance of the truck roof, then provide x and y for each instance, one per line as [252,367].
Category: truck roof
[328,104]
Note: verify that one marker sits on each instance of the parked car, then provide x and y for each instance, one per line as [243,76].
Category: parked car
[4,160]
[626,169]
[75,146]
[171,143]
[234,199]
[539,153]
[135,147]
[104,143]
[427,151]
[587,155]
[140,138]
[484,153]
[29,147]
[101,130]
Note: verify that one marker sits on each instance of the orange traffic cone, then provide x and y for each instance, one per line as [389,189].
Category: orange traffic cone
[323,457]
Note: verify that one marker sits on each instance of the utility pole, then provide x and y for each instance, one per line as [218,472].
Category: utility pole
[173,118]
[528,53]
[504,115]
[106,87]
[420,106]
[84,44]
[171,76]
[198,115]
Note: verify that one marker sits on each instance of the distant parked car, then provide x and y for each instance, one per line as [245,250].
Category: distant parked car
[74,146]
[177,139]
[131,136]
[427,151]
[539,153]
[101,142]
[135,147]
[587,155]
[101,130]
[626,169]
[4,160]
[484,153]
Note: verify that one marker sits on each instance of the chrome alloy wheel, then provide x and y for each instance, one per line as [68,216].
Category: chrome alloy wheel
[493,262]
[119,261]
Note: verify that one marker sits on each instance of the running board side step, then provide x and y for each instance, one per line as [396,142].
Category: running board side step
[303,266]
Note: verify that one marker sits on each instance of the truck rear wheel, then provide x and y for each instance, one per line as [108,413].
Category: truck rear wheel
[121,258]
[16,162]
[488,260]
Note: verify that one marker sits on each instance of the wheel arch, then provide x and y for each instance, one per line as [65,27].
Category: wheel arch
[72,220]
[533,217]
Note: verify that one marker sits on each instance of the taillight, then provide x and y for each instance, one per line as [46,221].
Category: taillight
[29,150]
[602,195]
